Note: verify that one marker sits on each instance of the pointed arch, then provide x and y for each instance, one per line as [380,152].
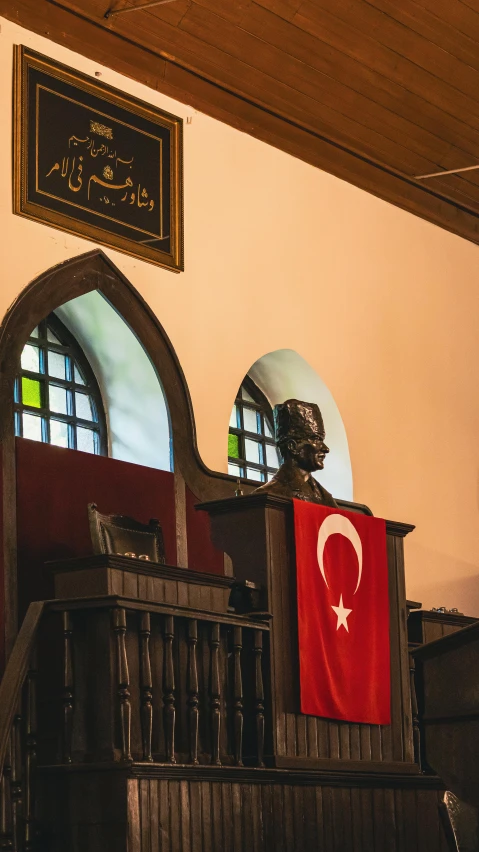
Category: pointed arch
[79,275]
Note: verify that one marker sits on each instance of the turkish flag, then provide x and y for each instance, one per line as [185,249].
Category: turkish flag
[343,614]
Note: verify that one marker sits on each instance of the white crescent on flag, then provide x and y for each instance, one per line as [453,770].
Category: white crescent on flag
[342,526]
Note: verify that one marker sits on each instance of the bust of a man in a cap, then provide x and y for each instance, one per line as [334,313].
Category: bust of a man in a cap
[299,433]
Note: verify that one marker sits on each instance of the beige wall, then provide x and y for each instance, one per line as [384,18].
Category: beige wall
[384,306]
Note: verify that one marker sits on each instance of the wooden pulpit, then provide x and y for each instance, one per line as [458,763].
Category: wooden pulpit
[257,532]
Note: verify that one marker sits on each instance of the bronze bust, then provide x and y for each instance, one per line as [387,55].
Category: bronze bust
[299,433]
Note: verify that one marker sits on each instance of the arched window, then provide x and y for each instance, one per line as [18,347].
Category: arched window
[252,453]
[57,398]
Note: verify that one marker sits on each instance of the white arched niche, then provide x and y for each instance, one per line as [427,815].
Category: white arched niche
[283,375]
[135,405]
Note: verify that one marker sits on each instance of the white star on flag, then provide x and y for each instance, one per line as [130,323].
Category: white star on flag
[342,614]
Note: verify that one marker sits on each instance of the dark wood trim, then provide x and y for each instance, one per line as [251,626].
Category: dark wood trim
[89,577]
[450,720]
[448,643]
[256,620]
[138,566]
[161,70]
[239,774]
[455,619]
[399,529]
[318,764]
[252,501]
[9,519]
[16,672]
[180,520]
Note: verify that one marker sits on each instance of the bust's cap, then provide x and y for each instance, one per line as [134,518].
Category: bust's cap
[298,421]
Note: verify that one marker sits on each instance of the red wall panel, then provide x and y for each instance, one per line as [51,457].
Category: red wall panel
[54,487]
[202,554]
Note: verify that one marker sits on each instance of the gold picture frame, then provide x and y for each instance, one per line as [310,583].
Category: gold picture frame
[95,162]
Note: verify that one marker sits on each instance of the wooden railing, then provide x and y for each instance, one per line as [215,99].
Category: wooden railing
[18,723]
[117,680]
[184,686]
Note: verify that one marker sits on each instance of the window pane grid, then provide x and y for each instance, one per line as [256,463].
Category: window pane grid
[42,340]
[57,381]
[247,404]
[255,435]
[252,453]
[56,399]
[48,412]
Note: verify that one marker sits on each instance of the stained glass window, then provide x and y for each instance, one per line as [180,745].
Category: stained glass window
[252,453]
[57,398]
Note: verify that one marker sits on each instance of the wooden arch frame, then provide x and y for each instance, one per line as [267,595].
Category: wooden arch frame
[79,275]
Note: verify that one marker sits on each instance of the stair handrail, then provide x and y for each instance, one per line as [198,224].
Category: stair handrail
[16,672]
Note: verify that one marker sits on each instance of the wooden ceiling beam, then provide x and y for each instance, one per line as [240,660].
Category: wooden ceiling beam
[463,46]
[372,128]
[351,34]
[173,76]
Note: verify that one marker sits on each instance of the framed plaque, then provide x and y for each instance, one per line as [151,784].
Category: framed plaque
[96,162]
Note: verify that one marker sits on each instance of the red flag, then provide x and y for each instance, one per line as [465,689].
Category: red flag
[343,614]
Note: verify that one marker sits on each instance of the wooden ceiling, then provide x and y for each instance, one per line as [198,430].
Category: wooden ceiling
[374,92]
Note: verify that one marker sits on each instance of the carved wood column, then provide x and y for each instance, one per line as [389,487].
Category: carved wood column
[215,694]
[67,686]
[169,690]
[146,686]
[193,697]
[259,695]
[238,696]
[30,756]
[123,676]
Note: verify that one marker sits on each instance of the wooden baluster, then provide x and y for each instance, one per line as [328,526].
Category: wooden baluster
[169,691]
[119,626]
[30,755]
[146,686]
[16,776]
[238,696]
[67,687]
[259,695]
[193,699]
[215,695]
[416,731]
[6,841]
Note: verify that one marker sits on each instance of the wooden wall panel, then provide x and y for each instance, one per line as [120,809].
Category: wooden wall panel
[186,815]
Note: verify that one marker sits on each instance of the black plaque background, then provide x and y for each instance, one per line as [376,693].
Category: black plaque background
[59,118]
[54,110]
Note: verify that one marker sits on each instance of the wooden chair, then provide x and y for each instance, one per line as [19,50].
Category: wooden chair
[121,534]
